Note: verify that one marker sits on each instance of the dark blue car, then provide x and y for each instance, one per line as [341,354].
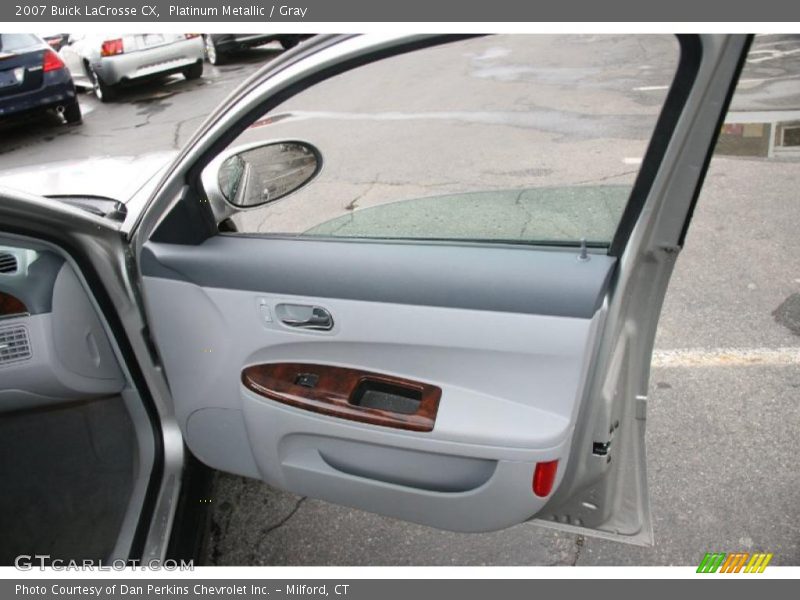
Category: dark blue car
[34,78]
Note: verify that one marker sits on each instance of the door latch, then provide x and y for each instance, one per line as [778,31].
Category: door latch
[302,316]
[601,448]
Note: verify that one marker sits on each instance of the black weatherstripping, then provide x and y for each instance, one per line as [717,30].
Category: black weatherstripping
[500,279]
[690,57]
[192,516]
[712,146]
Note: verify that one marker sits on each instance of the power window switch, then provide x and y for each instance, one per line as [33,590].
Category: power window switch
[308,380]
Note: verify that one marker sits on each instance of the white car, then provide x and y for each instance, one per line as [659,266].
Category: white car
[103,62]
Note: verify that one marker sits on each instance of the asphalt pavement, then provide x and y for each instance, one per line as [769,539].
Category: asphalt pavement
[156,116]
[723,416]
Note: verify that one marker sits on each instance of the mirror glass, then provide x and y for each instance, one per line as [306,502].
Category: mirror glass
[266,173]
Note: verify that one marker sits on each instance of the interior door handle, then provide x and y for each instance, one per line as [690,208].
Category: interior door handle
[305,317]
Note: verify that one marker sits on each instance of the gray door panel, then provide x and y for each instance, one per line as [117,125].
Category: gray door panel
[510,381]
[502,279]
[538,356]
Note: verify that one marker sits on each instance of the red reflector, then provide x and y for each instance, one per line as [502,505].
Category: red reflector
[189,36]
[543,477]
[52,61]
[111,47]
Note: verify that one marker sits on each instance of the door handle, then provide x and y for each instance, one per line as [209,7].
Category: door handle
[302,316]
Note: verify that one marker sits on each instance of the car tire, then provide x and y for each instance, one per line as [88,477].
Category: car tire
[72,113]
[195,71]
[288,43]
[212,53]
[102,91]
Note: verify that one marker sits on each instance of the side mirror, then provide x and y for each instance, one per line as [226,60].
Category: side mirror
[258,174]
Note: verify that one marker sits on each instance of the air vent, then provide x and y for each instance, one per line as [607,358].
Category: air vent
[14,345]
[8,263]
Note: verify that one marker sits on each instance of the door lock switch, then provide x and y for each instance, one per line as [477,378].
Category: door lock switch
[308,380]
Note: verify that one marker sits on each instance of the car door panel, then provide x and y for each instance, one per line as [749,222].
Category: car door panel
[541,354]
[509,380]
[52,346]
[503,278]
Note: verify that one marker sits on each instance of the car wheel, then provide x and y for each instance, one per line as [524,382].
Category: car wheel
[103,92]
[213,55]
[72,112]
[195,71]
[287,43]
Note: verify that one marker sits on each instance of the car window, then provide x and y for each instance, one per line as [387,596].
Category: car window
[13,42]
[509,138]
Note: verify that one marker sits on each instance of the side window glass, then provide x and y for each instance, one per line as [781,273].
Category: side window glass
[509,138]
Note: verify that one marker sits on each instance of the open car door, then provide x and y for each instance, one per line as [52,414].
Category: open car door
[451,380]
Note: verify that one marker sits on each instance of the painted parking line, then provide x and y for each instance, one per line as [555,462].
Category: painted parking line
[771,54]
[742,83]
[726,357]
[650,88]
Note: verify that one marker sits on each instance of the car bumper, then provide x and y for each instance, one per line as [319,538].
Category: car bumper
[142,64]
[57,90]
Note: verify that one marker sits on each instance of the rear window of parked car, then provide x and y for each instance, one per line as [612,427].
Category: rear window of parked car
[13,42]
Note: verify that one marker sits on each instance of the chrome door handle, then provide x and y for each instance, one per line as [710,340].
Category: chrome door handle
[305,317]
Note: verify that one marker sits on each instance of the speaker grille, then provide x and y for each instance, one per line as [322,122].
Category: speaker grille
[14,345]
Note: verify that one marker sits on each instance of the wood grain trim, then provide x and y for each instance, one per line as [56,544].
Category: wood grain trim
[333,394]
[11,305]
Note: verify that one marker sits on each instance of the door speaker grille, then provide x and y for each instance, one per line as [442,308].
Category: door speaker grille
[14,345]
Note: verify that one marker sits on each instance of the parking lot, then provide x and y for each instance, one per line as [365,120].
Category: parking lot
[724,410]
[152,117]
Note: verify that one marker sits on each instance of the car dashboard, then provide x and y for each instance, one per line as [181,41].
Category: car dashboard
[53,348]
